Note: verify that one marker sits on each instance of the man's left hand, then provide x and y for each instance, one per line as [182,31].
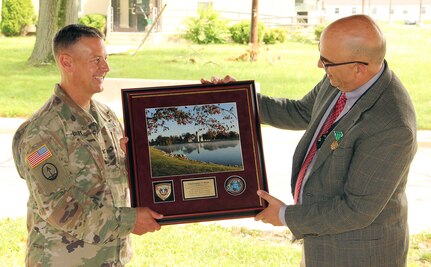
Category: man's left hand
[270,214]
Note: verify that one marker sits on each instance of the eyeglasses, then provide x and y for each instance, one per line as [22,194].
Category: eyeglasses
[327,65]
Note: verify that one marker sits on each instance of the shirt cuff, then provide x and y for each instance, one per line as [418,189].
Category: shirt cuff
[127,220]
[281,214]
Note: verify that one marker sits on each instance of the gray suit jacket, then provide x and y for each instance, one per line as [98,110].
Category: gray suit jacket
[354,210]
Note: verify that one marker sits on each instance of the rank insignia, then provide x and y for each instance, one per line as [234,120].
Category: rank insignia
[235,185]
[38,156]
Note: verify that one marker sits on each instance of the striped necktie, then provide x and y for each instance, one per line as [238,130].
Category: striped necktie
[338,108]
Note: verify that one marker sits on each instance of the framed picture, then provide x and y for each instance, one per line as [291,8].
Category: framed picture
[195,151]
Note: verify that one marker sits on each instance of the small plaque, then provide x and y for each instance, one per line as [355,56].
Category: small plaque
[199,188]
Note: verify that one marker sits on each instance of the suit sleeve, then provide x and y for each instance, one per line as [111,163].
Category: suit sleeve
[285,113]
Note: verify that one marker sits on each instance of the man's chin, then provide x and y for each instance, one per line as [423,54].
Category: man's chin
[99,87]
[97,90]
[332,83]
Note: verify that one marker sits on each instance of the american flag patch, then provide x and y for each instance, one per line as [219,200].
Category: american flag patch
[39,156]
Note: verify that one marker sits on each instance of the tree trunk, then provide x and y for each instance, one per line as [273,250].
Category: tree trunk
[45,31]
[254,44]
[254,22]
[71,12]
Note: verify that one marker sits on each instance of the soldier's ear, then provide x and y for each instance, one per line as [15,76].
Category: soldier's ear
[65,62]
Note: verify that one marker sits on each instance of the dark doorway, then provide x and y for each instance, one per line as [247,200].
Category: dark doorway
[130,15]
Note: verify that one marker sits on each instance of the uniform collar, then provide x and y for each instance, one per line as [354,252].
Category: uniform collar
[75,112]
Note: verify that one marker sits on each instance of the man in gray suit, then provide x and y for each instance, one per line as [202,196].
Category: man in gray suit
[349,179]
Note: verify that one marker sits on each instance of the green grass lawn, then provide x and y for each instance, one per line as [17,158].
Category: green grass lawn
[283,70]
[203,245]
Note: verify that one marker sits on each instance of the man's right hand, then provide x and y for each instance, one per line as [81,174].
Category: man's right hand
[146,221]
[217,80]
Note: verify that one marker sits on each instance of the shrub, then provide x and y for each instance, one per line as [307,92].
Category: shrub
[240,32]
[273,36]
[206,28]
[16,15]
[318,29]
[97,21]
[302,36]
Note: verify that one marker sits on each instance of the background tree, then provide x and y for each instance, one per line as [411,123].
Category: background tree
[53,14]
[71,14]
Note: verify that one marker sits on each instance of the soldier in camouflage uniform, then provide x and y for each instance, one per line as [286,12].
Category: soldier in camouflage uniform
[71,156]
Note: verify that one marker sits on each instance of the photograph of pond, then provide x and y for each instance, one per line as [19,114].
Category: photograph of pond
[194,139]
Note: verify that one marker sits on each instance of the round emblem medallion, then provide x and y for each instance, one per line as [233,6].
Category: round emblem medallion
[234,185]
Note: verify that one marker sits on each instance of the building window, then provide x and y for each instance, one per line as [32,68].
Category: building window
[423,10]
[374,11]
[392,11]
[405,11]
[353,10]
[337,10]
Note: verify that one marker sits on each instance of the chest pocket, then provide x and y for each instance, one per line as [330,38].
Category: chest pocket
[115,171]
[86,167]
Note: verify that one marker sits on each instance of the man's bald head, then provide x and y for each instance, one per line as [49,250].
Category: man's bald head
[357,36]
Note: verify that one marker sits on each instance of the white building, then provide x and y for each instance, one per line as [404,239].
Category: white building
[381,10]
[136,15]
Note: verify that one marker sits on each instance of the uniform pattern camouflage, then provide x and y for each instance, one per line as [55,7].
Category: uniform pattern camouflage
[79,211]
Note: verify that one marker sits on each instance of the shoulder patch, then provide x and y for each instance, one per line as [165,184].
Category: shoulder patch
[38,156]
[49,171]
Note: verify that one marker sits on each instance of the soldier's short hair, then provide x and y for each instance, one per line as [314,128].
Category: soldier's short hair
[70,34]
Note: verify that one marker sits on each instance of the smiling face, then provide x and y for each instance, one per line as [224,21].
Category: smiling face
[84,66]
[90,65]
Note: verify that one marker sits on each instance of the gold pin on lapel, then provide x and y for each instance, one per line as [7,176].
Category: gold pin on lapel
[334,145]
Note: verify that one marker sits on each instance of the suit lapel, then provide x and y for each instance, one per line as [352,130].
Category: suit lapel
[323,103]
[350,119]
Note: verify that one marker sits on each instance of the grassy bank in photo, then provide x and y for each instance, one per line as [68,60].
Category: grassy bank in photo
[203,244]
[163,164]
[282,70]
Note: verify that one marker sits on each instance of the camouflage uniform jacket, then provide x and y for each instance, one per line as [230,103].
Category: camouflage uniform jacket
[79,210]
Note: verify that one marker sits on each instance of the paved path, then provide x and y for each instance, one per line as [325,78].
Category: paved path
[278,149]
